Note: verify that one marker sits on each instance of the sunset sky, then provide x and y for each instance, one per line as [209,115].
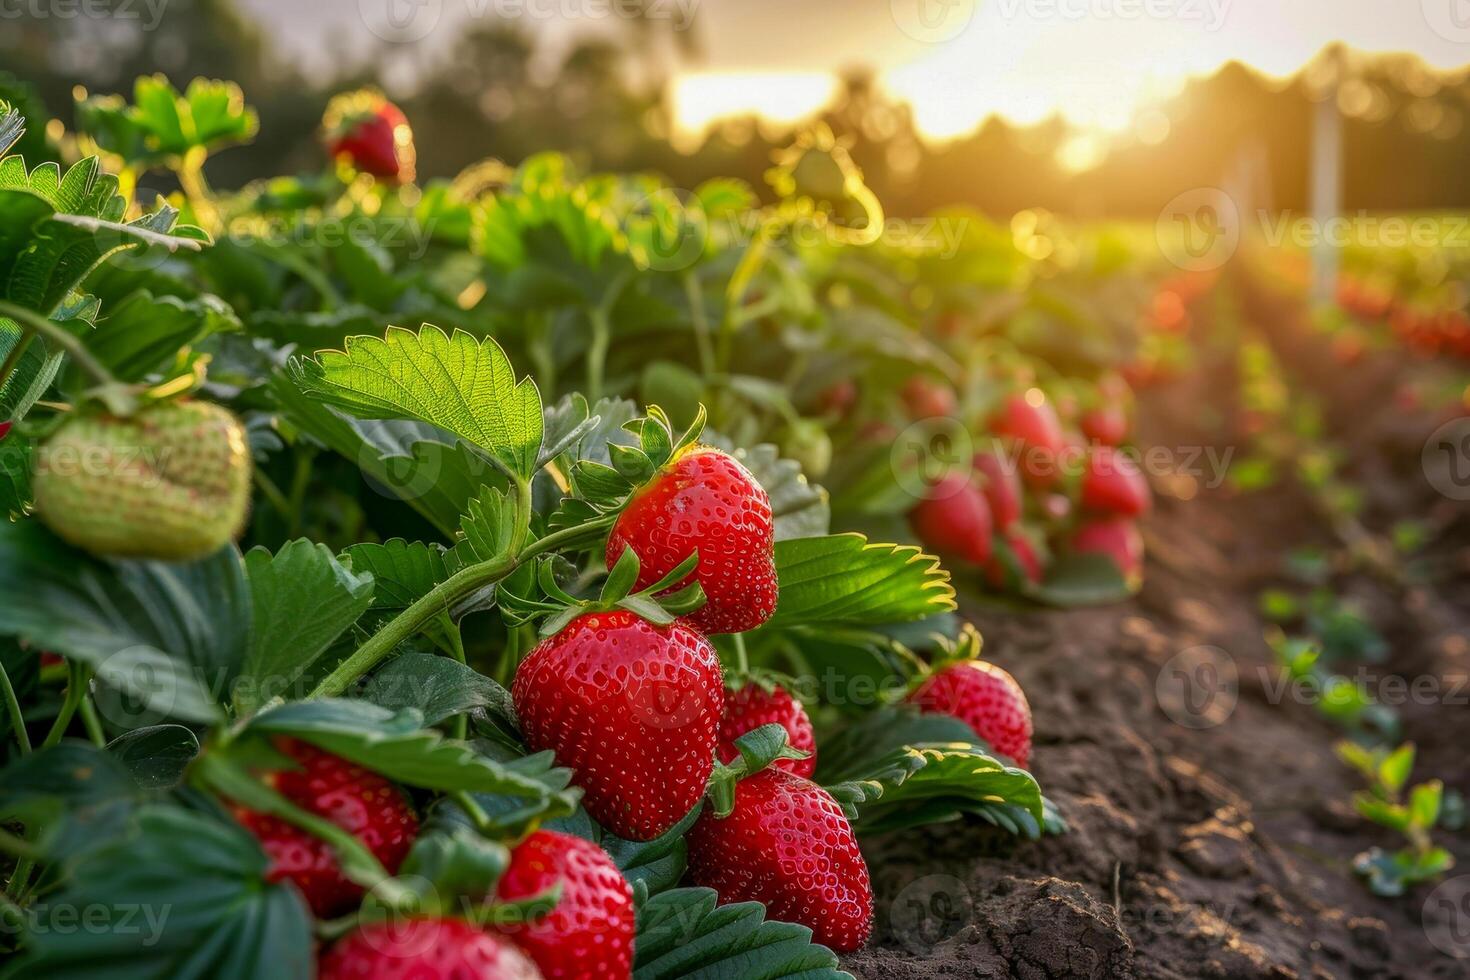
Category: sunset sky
[1099,63]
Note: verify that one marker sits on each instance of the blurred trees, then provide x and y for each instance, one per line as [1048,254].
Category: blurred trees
[494,95]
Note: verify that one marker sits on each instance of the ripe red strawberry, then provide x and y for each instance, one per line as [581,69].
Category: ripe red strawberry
[424,949]
[787,845]
[1002,487]
[4,429]
[1030,419]
[1025,552]
[954,520]
[361,802]
[705,500]
[1106,424]
[590,932]
[633,708]
[838,398]
[925,398]
[372,134]
[986,698]
[1113,484]
[749,707]
[1117,539]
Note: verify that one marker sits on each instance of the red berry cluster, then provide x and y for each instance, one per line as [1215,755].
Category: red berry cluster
[639,711]
[1018,484]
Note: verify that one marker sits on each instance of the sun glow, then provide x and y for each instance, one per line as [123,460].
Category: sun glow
[782,98]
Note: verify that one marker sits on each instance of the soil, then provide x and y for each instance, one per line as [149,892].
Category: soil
[1222,846]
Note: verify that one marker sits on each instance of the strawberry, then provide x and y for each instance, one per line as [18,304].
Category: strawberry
[633,708]
[1106,424]
[954,520]
[361,802]
[1116,539]
[590,932]
[752,706]
[705,500]
[424,949]
[1021,547]
[838,398]
[925,398]
[1031,421]
[787,845]
[372,134]
[986,698]
[4,430]
[1002,487]
[1113,484]
[171,483]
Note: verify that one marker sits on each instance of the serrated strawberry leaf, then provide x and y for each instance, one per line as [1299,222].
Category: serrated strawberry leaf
[403,571]
[655,865]
[184,897]
[683,934]
[12,127]
[897,768]
[394,744]
[842,580]
[173,635]
[462,385]
[303,598]
[437,687]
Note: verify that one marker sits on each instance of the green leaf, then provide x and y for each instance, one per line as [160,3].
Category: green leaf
[683,933]
[842,580]
[1081,580]
[172,635]
[73,794]
[1424,801]
[462,385]
[1393,772]
[156,756]
[303,598]
[509,816]
[142,334]
[437,687]
[490,525]
[655,865]
[403,572]
[395,744]
[184,897]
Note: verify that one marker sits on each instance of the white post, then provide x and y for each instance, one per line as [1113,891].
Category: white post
[1326,191]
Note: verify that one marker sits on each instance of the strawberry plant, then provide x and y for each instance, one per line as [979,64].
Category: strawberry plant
[485,747]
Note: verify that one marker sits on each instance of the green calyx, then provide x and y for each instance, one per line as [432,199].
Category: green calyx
[608,488]
[560,607]
[758,748]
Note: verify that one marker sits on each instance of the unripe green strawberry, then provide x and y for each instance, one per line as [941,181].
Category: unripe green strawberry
[171,483]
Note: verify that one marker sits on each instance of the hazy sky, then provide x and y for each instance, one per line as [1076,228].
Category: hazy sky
[1095,61]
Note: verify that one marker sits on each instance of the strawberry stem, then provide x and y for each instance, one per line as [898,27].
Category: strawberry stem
[33,322]
[443,597]
[12,705]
